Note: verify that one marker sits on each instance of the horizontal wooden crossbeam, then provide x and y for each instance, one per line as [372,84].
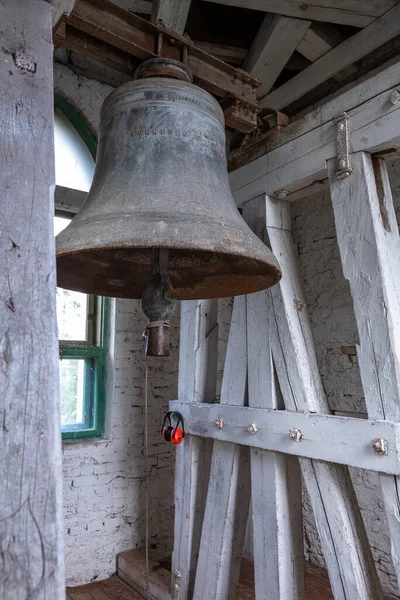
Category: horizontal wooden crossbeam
[112,36]
[296,157]
[341,440]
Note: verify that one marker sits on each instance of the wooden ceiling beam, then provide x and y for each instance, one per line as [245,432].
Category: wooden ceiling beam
[351,50]
[274,44]
[142,7]
[321,39]
[230,54]
[173,13]
[358,13]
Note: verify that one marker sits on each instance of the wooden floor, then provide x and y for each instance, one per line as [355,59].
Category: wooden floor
[317,583]
[109,589]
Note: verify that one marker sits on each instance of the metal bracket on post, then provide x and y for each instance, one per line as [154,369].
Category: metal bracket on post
[344,168]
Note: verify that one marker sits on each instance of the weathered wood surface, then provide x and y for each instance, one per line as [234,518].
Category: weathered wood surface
[274,44]
[59,8]
[321,39]
[131,569]
[369,243]
[335,439]
[297,156]
[68,200]
[276,490]
[347,12]
[344,541]
[109,589]
[173,13]
[228,496]
[197,383]
[348,52]
[32,561]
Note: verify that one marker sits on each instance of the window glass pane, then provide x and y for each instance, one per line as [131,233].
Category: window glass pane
[74,163]
[77,393]
[71,306]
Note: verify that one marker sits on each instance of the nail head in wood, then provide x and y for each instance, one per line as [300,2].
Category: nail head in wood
[394,97]
[280,194]
[295,435]
[252,429]
[219,423]
[380,446]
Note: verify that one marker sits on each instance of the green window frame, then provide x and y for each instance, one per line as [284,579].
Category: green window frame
[93,351]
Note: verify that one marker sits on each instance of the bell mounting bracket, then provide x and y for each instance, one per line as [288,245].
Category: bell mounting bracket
[120,40]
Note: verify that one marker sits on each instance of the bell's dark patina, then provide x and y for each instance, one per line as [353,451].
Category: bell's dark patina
[161,182]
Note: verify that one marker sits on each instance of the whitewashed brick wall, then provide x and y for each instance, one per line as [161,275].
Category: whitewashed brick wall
[104,481]
[334,330]
[104,510]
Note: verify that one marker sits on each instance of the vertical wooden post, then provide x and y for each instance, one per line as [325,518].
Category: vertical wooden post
[276,494]
[346,549]
[31,557]
[197,383]
[228,494]
[369,242]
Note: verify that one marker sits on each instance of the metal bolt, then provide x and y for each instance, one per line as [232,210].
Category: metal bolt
[25,62]
[394,97]
[295,435]
[380,446]
[219,423]
[341,163]
[282,194]
[340,126]
[252,428]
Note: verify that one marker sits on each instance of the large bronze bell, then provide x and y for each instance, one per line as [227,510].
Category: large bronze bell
[161,182]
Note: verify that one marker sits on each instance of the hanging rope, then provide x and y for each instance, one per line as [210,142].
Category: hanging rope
[146,452]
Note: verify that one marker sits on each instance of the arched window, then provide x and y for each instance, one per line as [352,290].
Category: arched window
[81,318]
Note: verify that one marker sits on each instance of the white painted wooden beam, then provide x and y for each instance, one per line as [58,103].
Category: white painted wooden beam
[228,493]
[334,439]
[369,243]
[31,510]
[358,13]
[362,43]
[197,383]
[276,490]
[59,8]
[173,13]
[345,544]
[230,54]
[143,7]
[298,155]
[68,200]
[274,44]
[321,39]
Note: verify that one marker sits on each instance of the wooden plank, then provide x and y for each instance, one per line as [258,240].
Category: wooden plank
[142,7]
[374,124]
[228,498]
[337,515]
[346,12]
[318,41]
[59,8]
[173,13]
[276,490]
[369,243]
[349,51]
[230,54]
[30,437]
[131,568]
[336,439]
[69,200]
[197,383]
[274,44]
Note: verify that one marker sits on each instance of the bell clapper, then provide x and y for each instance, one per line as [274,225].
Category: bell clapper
[158,304]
